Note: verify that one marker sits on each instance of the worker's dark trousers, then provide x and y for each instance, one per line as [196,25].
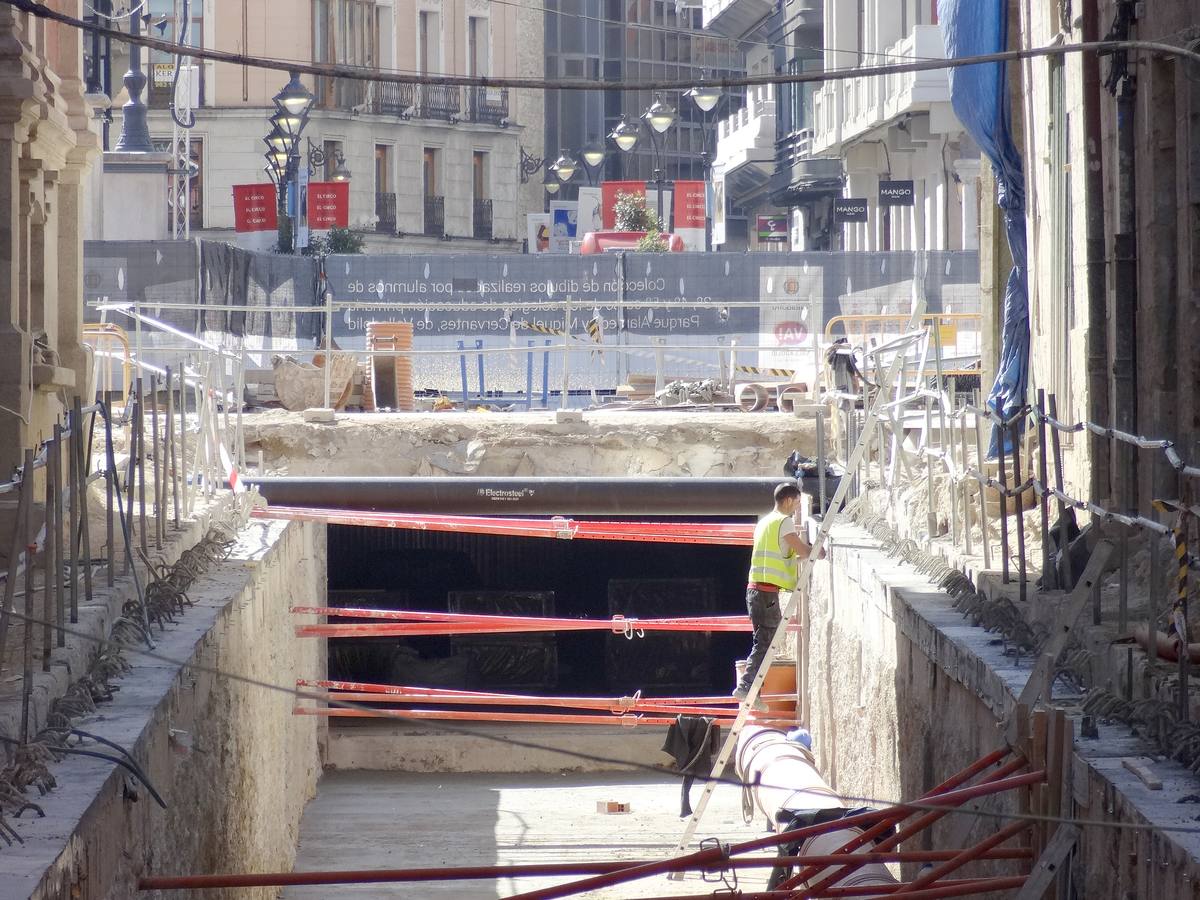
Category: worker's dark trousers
[765,616]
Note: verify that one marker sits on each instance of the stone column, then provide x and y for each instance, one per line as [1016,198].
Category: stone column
[968,172]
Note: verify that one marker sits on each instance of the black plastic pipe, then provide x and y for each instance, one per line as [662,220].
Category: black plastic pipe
[549,496]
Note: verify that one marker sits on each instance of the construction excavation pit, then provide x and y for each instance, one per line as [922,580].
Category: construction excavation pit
[469,655]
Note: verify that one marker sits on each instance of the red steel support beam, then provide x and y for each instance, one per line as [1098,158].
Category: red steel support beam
[471,873]
[963,888]
[709,857]
[969,855]
[949,784]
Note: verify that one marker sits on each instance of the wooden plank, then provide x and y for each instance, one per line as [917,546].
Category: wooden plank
[1139,768]
[1045,870]
[1073,605]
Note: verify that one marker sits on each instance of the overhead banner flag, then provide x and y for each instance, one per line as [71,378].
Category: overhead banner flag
[255,216]
[328,205]
[691,213]
[254,208]
[608,197]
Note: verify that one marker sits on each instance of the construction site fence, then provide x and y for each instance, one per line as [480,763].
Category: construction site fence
[169,443]
[520,318]
[996,468]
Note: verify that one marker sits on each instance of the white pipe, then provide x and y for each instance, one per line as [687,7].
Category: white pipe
[783,775]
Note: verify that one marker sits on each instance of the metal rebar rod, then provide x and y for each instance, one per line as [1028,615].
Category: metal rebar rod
[983,516]
[156,467]
[1022,581]
[16,553]
[1152,600]
[930,512]
[966,482]
[73,497]
[1185,706]
[172,467]
[49,563]
[27,629]
[131,471]
[140,439]
[1049,574]
[239,392]
[1068,580]
[185,480]
[83,448]
[1001,438]
[1123,582]
[110,487]
[819,419]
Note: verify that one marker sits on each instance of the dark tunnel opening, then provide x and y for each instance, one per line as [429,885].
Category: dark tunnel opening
[508,575]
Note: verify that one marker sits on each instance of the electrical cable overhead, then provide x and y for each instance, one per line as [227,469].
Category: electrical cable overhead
[362,73]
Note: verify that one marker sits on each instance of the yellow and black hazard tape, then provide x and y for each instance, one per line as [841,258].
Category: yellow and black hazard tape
[593,330]
[1181,554]
[540,329]
[759,370]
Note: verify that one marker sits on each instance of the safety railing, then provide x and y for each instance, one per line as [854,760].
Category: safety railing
[715,370]
[180,444]
[102,337]
[991,471]
[959,334]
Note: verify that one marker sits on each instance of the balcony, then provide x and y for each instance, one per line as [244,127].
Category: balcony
[388,99]
[746,145]
[385,213]
[737,19]
[488,106]
[438,101]
[848,110]
[482,219]
[435,216]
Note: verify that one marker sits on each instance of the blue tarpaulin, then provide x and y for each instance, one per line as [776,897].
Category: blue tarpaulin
[979,95]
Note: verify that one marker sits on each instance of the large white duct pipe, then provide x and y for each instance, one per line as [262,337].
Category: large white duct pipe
[783,777]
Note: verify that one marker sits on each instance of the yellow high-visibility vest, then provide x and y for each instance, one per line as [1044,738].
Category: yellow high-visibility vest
[770,562]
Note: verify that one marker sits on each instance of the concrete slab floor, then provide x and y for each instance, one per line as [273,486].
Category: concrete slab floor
[365,820]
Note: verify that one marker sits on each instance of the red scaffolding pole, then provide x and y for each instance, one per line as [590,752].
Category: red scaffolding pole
[736,534]
[533,870]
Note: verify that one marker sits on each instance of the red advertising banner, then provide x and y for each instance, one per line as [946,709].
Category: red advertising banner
[690,206]
[254,207]
[328,205]
[608,198]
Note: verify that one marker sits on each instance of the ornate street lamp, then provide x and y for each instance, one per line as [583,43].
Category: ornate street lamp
[564,167]
[706,97]
[340,171]
[660,117]
[625,135]
[593,158]
[295,98]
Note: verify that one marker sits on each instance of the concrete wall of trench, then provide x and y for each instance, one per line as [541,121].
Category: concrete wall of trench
[902,692]
[233,763]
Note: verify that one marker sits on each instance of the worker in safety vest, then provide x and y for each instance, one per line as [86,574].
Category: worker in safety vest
[774,567]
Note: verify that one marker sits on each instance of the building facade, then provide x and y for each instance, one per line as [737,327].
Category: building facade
[1111,149]
[846,138]
[47,147]
[428,164]
[637,42]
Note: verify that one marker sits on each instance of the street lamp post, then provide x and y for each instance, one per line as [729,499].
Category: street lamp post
[660,117]
[135,134]
[593,159]
[707,97]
